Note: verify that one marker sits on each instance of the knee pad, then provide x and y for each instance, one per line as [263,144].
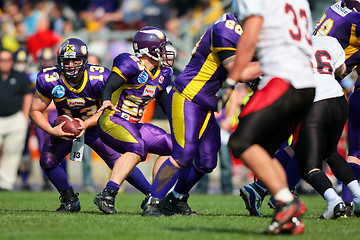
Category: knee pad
[48,161]
[206,166]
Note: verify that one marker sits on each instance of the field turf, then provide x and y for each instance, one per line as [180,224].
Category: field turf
[28,215]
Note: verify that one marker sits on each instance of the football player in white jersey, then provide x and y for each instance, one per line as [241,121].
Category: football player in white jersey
[321,129]
[280,30]
[317,137]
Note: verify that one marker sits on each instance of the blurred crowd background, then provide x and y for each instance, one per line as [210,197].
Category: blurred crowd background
[28,27]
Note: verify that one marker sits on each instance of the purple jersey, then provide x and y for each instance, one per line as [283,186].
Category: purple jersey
[82,102]
[204,74]
[344,25]
[140,88]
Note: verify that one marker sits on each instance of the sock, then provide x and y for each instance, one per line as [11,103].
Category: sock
[354,188]
[284,195]
[341,168]
[292,173]
[113,185]
[165,179]
[356,170]
[58,178]
[138,180]
[319,181]
[188,178]
[346,194]
[24,176]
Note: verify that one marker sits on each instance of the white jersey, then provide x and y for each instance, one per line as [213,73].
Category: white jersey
[284,47]
[328,56]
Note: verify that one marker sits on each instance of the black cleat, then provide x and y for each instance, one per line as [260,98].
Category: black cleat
[339,211]
[349,209]
[105,200]
[171,205]
[145,201]
[69,201]
[152,209]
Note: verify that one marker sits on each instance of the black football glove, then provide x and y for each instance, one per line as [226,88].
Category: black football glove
[223,95]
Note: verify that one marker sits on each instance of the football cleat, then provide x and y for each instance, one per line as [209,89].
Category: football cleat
[253,199]
[145,201]
[105,200]
[152,209]
[284,214]
[171,205]
[69,201]
[294,226]
[349,209]
[338,211]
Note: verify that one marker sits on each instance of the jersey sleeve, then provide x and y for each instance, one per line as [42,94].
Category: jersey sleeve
[127,66]
[339,54]
[225,35]
[98,86]
[247,8]
[43,88]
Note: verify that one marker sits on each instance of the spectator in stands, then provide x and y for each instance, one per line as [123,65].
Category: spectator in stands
[157,14]
[44,37]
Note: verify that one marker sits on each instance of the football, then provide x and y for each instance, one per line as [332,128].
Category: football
[71,124]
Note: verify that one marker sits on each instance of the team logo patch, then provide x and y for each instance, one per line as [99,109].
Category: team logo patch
[149,91]
[143,77]
[161,79]
[58,91]
[76,102]
[136,46]
[70,48]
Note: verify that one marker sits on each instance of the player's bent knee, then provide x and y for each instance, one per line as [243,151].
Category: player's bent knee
[48,162]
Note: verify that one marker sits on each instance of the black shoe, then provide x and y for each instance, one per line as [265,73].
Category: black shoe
[105,200]
[145,201]
[171,205]
[339,211]
[152,209]
[69,201]
[349,209]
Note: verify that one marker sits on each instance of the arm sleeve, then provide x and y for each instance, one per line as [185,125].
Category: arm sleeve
[225,54]
[113,83]
[161,100]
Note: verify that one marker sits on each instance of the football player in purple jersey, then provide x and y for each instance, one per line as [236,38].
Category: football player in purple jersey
[342,21]
[191,105]
[135,80]
[74,86]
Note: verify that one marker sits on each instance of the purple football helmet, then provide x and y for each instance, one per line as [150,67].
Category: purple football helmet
[353,5]
[72,48]
[151,41]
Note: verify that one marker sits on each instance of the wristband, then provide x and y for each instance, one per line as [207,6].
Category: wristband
[230,82]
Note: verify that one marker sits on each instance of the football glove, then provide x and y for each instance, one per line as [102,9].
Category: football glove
[223,95]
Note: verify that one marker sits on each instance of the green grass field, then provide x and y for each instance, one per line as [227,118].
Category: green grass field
[28,215]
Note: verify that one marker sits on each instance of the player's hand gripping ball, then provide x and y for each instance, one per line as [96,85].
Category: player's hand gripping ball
[71,124]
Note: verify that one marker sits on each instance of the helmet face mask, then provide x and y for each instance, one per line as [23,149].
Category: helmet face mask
[151,42]
[72,57]
[352,5]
